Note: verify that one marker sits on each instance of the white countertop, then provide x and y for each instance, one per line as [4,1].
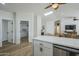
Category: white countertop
[74,43]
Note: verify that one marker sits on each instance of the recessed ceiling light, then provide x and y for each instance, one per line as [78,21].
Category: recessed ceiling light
[48,13]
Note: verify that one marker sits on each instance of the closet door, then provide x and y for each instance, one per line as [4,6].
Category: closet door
[10,31]
[4,30]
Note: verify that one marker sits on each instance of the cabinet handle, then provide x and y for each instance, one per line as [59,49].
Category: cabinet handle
[41,49]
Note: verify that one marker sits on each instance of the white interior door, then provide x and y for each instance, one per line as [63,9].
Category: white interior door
[10,31]
[4,30]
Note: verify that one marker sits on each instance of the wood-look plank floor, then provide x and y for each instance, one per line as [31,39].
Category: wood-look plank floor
[9,49]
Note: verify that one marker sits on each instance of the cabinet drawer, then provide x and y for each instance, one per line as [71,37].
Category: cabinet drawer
[43,44]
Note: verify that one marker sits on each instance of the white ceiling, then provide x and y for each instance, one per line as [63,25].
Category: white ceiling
[38,8]
[14,7]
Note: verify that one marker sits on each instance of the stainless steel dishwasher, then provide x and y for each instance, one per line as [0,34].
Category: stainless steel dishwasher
[60,50]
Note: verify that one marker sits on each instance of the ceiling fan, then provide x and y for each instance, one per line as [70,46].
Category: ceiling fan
[74,18]
[55,6]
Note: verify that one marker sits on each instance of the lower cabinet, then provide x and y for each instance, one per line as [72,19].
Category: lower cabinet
[41,48]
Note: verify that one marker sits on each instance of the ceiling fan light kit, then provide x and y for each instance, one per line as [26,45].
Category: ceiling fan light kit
[55,6]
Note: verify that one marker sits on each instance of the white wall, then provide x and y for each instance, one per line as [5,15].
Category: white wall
[24,16]
[39,25]
[35,25]
[69,21]
[49,21]
[6,15]
[66,10]
[69,10]
[66,21]
[50,27]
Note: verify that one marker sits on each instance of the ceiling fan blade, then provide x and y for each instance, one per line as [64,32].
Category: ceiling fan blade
[69,17]
[48,6]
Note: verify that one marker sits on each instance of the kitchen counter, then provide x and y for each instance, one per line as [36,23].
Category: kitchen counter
[69,42]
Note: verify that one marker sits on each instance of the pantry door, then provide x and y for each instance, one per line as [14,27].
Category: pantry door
[10,31]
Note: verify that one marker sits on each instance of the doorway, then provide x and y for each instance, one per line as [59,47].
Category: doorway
[24,31]
[7,32]
[57,28]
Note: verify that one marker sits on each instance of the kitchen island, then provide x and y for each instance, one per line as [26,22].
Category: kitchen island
[44,45]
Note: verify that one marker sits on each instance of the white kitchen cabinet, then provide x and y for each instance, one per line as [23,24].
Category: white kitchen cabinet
[41,48]
[56,46]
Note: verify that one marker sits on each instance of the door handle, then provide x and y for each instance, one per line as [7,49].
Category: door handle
[41,49]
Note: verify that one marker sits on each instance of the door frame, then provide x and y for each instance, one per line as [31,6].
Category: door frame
[58,21]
